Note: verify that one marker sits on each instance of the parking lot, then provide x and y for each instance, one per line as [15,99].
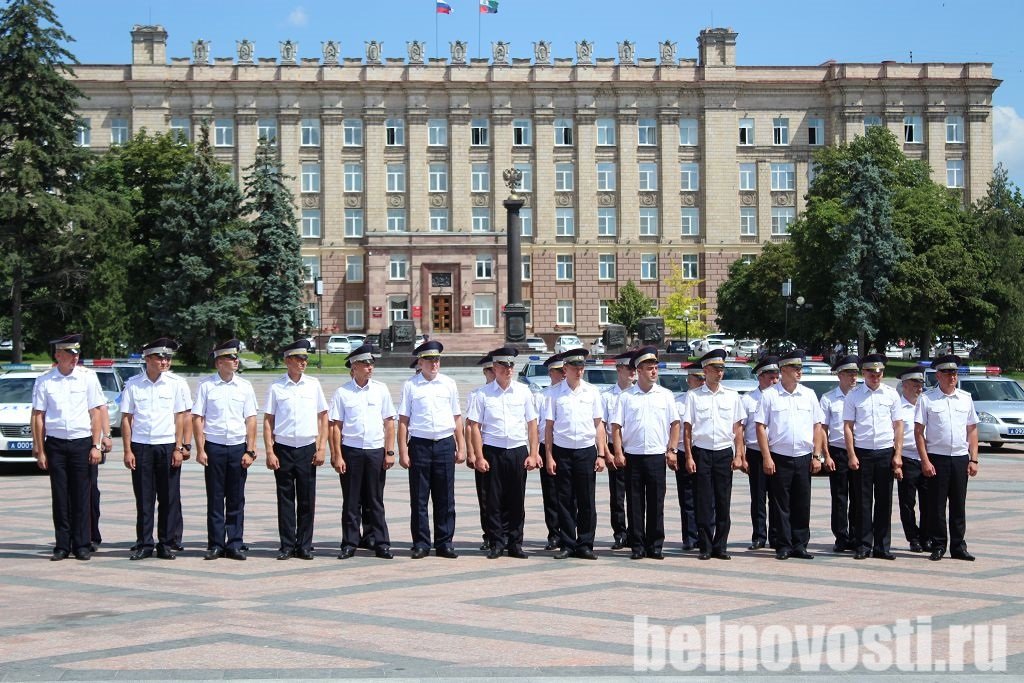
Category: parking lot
[470,617]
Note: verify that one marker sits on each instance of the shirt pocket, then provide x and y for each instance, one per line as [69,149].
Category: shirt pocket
[883,409]
[165,399]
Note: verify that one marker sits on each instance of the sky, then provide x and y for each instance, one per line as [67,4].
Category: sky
[779,32]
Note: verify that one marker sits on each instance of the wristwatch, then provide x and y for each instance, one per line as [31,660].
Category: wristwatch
[390,453]
[251,454]
[674,451]
[187,447]
[98,447]
[819,457]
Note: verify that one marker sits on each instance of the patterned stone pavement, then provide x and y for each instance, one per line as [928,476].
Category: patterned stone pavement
[471,617]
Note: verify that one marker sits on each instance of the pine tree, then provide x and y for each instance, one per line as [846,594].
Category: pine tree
[277,316]
[39,162]
[203,257]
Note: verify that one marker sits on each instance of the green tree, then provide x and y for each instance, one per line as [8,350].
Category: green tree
[277,317]
[203,256]
[39,162]
[750,302]
[630,306]
[682,304]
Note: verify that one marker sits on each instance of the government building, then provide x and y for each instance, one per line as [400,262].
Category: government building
[633,168]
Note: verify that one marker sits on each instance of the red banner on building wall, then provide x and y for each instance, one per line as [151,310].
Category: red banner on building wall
[467,311]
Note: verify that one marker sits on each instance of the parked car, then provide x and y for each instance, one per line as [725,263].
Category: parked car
[112,386]
[15,416]
[534,375]
[601,376]
[537,344]
[747,348]
[128,369]
[339,343]
[673,379]
[702,346]
[740,377]
[566,342]
[356,340]
[420,339]
[999,402]
[679,346]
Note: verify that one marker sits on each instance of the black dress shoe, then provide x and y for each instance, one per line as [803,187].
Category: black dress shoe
[485,546]
[782,554]
[704,555]
[563,554]
[94,546]
[636,555]
[59,555]
[756,545]
[721,556]
[214,553]
[655,555]
[937,554]
[495,552]
[585,554]
[365,543]
[840,547]
[687,547]
[883,555]
[303,554]
[801,554]
[860,554]
[916,547]
[346,552]
[517,553]
[234,554]
[552,545]
[446,552]
[619,544]
[164,553]
[962,555]
[177,547]
[384,553]
[141,554]
[284,554]
[419,553]
[83,555]
[244,548]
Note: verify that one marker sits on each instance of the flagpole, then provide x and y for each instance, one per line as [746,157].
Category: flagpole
[478,22]
[435,31]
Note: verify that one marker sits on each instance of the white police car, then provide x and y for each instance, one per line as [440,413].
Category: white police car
[534,375]
[999,402]
[16,416]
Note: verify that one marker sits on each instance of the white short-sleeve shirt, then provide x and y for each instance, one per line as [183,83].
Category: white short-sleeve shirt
[503,414]
[945,419]
[832,405]
[907,410]
[225,406]
[712,416]
[66,401]
[430,406]
[362,412]
[873,413]
[573,413]
[153,406]
[789,419]
[296,407]
[646,419]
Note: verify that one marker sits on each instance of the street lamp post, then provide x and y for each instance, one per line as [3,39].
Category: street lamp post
[318,288]
[515,311]
[686,325]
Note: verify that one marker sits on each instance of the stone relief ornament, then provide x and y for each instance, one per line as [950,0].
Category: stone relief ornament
[499,52]
[563,199]
[288,50]
[748,199]
[245,51]
[606,199]
[310,201]
[542,52]
[667,51]
[479,199]
[331,49]
[584,52]
[648,199]
[201,52]
[458,52]
[688,200]
[373,49]
[396,201]
[782,200]
[438,200]
[627,52]
[353,201]
[415,52]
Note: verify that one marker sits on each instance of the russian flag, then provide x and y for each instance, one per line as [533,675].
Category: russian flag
[443,7]
[488,6]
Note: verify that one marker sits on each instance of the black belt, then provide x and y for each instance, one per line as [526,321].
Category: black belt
[420,438]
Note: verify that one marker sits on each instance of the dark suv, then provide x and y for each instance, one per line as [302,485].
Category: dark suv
[678,346]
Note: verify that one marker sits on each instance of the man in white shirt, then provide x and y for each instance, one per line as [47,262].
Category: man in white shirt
[685,483]
[548,482]
[791,438]
[617,487]
[362,451]
[224,429]
[845,499]
[67,427]
[295,437]
[762,527]
[947,440]
[577,450]
[503,420]
[713,437]
[155,408]
[430,443]
[912,489]
[645,431]
[475,450]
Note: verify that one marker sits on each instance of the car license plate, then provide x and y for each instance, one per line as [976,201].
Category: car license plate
[1016,431]
[19,445]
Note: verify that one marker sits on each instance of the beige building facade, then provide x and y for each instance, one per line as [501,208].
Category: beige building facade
[633,167]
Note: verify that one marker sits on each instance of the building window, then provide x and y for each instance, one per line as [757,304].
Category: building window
[748,221]
[396,220]
[481,219]
[606,222]
[564,172]
[783,176]
[354,315]
[648,176]
[437,176]
[522,132]
[353,177]
[528,305]
[606,266]
[563,267]
[812,172]
[353,222]
[563,132]
[526,183]
[689,177]
[955,173]
[565,222]
[780,131]
[481,177]
[395,177]
[313,315]
[602,311]
[816,132]
[872,120]
[526,222]
[954,129]
[394,132]
[310,177]
[483,310]
[484,267]
[564,312]
[691,269]
[746,131]
[687,132]
[606,132]
[913,129]
[648,266]
[782,217]
[478,129]
[311,222]
[748,176]
[118,131]
[266,129]
[354,268]
[309,132]
[311,264]
[647,132]
[224,133]
[181,129]
[352,132]
[748,258]
[606,176]
[527,267]
[437,132]
[648,222]
[398,267]
[439,220]
[689,222]
[398,307]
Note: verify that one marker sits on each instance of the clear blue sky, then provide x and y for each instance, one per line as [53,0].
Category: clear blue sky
[778,32]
